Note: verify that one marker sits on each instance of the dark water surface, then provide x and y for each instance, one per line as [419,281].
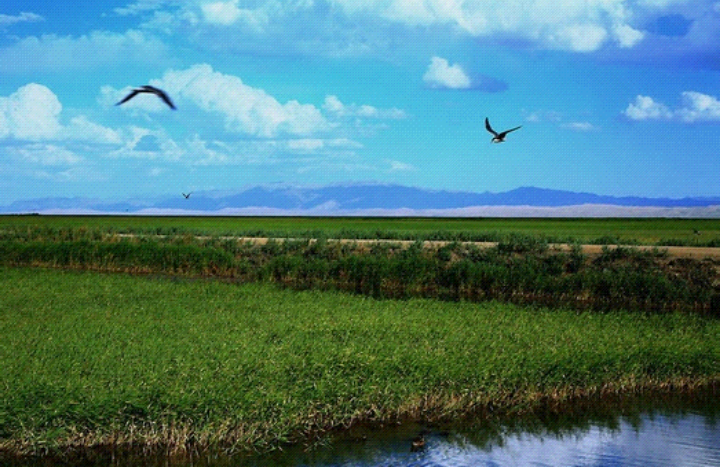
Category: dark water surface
[667,431]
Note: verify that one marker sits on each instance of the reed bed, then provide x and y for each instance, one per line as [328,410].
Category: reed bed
[180,364]
[521,269]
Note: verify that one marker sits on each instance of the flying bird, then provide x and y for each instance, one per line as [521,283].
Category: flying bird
[187,196]
[498,137]
[149,89]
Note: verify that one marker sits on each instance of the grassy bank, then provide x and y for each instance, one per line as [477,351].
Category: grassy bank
[93,358]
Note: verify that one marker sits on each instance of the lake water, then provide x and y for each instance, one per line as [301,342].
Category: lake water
[669,432]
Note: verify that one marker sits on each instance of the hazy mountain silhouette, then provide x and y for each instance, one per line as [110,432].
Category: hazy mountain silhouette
[353,197]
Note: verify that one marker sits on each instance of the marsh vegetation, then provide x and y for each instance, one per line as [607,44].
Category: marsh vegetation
[192,340]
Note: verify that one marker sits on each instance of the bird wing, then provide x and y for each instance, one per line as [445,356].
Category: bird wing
[489,128]
[165,98]
[134,93]
[508,131]
[161,94]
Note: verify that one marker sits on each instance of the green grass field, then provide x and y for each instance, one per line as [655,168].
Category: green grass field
[110,359]
[633,231]
[200,347]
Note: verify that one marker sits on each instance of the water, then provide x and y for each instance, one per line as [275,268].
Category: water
[652,440]
[674,432]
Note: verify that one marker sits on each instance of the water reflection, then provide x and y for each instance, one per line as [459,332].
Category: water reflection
[672,431]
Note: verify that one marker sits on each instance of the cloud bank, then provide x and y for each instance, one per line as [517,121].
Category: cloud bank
[349,27]
[695,107]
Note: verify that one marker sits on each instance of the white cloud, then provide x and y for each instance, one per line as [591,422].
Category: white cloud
[139,7]
[351,27]
[578,37]
[244,109]
[441,74]
[47,154]
[332,104]
[82,129]
[23,17]
[695,107]
[580,126]
[30,113]
[221,12]
[305,145]
[555,24]
[558,24]
[627,36]
[336,108]
[698,107]
[227,13]
[645,108]
[97,49]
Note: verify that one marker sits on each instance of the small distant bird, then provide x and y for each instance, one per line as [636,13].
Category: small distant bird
[187,196]
[498,137]
[149,89]
[696,231]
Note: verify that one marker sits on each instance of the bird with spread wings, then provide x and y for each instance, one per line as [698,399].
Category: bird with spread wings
[498,137]
[151,90]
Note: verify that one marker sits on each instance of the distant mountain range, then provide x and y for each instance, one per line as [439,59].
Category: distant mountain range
[380,199]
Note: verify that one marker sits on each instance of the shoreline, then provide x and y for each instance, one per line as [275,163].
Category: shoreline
[181,442]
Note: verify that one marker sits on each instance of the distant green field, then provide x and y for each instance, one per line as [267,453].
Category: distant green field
[632,231]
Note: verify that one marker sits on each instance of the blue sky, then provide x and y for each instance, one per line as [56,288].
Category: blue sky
[614,97]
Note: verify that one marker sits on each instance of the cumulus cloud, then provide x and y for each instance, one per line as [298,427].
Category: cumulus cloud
[695,106]
[699,107]
[440,74]
[32,113]
[245,109]
[645,108]
[250,121]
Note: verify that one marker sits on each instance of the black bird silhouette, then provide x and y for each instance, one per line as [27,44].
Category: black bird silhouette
[498,137]
[187,195]
[149,89]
